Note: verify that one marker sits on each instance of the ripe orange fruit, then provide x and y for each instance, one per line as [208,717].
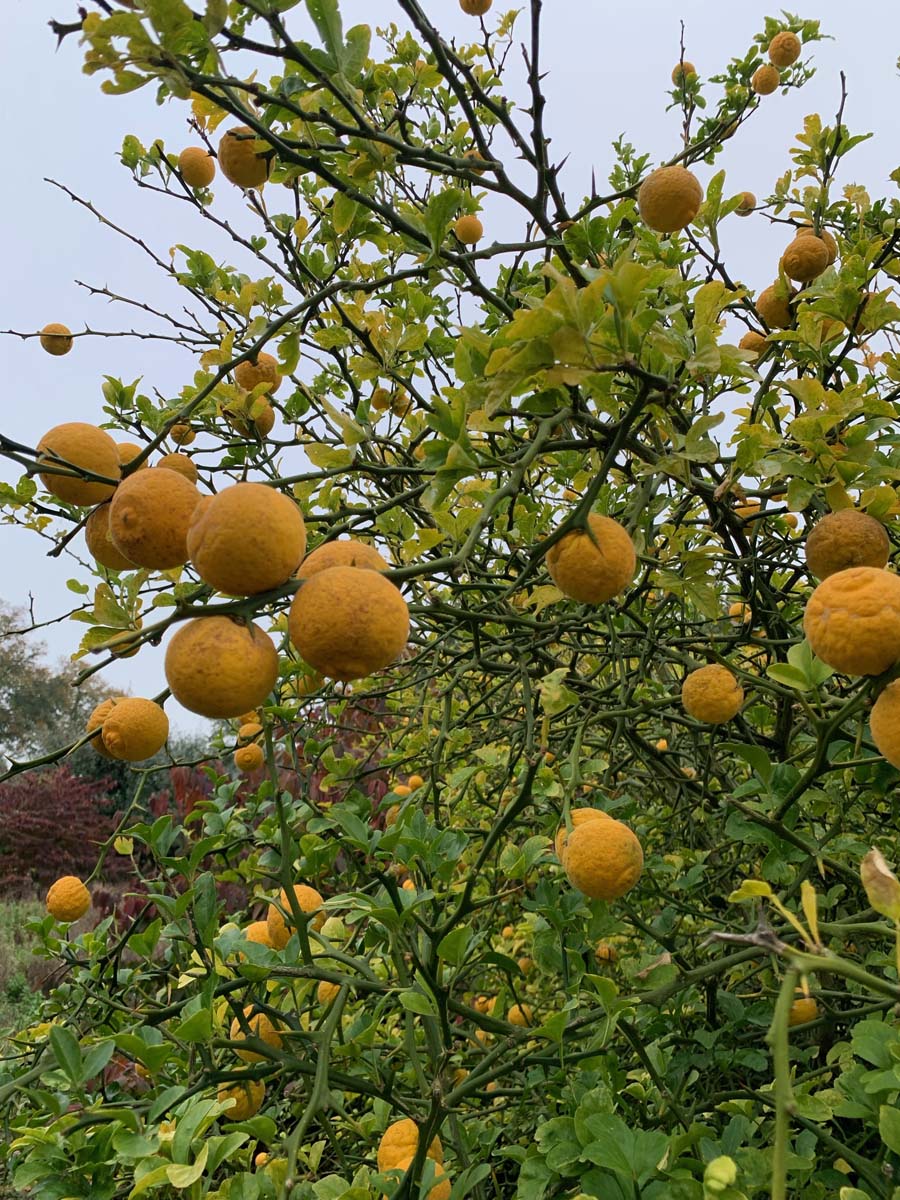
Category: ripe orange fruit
[884,722]
[712,694]
[784,48]
[475,8]
[180,463]
[669,199]
[683,71]
[805,258]
[56,339]
[87,448]
[852,621]
[100,545]
[415,781]
[281,926]
[247,539]
[249,758]
[662,745]
[249,731]
[844,539]
[218,667]
[149,518]
[803,1010]
[469,229]
[594,566]
[95,721]
[258,931]
[765,80]
[182,435]
[520,1014]
[603,859]
[390,817]
[264,369]
[197,166]
[248,1096]
[244,159]
[831,244]
[577,816]
[326,992]
[128,451]
[475,160]
[400,1141]
[133,729]
[739,612]
[774,307]
[348,622]
[747,204]
[754,342]
[525,964]
[68,899]
[260,1027]
[345,552]
[380,399]
[604,952]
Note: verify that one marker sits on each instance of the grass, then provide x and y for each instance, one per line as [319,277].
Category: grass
[20,970]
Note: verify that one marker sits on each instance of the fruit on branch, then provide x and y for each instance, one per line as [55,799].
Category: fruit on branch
[399,1143]
[56,339]
[773,307]
[218,667]
[765,80]
[884,722]
[852,621]
[249,758]
[86,448]
[747,204]
[247,539]
[180,463]
[248,1096]
[754,342]
[128,452]
[784,48]
[683,72]
[68,899]
[469,229]
[712,694]
[132,728]
[593,565]
[281,924]
[669,199]
[344,552]
[348,622]
[261,1027]
[197,166]
[577,816]
[603,859]
[99,543]
[802,1011]
[475,8]
[240,157]
[182,435]
[258,931]
[844,539]
[263,369]
[520,1014]
[149,517]
[805,258]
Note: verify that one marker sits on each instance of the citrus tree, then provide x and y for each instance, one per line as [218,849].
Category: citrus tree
[537,570]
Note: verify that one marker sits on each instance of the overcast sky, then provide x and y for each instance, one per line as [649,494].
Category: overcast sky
[608,71]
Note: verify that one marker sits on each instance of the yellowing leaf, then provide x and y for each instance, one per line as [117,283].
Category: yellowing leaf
[751,889]
[809,902]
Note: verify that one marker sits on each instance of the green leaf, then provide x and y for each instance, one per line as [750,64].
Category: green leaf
[417,1002]
[183,1176]
[889,1126]
[327,20]
[197,1028]
[343,210]
[789,676]
[439,212]
[68,1052]
[453,947]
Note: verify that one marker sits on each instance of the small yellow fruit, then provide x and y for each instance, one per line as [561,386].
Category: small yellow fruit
[381,399]
[765,80]
[662,745]
[805,258]
[593,567]
[469,229]
[526,964]
[56,339]
[197,166]
[520,1014]
[831,244]
[249,731]
[128,452]
[784,49]
[249,758]
[401,789]
[475,160]
[414,782]
[577,816]
[802,1011]
[747,204]
[345,552]
[348,622]
[281,927]
[682,72]
[408,885]
[754,342]
[774,307]
[390,817]
[884,721]
[326,992]
[507,931]
[475,8]
[247,539]
[134,729]
[739,612]
[261,1159]
[248,1096]
[264,369]
[218,667]
[100,545]
[68,899]
[669,199]
[95,721]
[852,621]
[180,463]
[182,435]
[258,931]
[149,518]
[86,448]
[260,1027]
[604,952]
[844,539]
[244,158]
[400,1141]
[603,859]
[712,694]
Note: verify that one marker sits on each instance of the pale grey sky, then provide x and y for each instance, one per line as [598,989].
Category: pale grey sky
[608,70]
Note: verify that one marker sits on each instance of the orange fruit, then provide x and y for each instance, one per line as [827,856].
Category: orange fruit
[100,545]
[281,926]
[747,204]
[149,518]
[262,369]
[774,307]
[348,622]
[474,161]
[247,539]
[95,721]
[803,1010]
[345,552]
[68,899]
[197,166]
[593,567]
[244,158]
[415,781]
[128,452]
[520,1014]
[249,758]
[475,8]
[805,258]
[832,246]
[577,816]
[218,667]
[754,342]
[784,48]
[844,539]
[182,435]
[884,722]
[712,694]
[603,859]
[258,931]
[248,1096]
[604,952]
[469,229]
[56,339]
[326,992]
[765,80]
[87,448]
[682,72]
[180,463]
[134,729]
[669,199]
[852,621]
[261,1027]
[400,1141]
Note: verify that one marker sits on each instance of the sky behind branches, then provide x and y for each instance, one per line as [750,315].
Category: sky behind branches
[607,73]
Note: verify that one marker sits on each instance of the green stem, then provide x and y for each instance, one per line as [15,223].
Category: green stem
[777,1037]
